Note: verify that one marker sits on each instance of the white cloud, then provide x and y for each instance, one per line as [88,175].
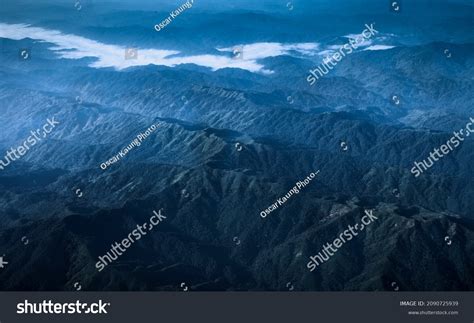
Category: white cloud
[258,51]
[379,47]
[70,46]
[76,47]
[361,40]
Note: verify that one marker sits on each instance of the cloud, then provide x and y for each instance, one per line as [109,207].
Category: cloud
[361,40]
[76,47]
[263,50]
[71,46]
[379,47]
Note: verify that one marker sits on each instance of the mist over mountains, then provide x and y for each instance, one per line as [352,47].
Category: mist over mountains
[215,162]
